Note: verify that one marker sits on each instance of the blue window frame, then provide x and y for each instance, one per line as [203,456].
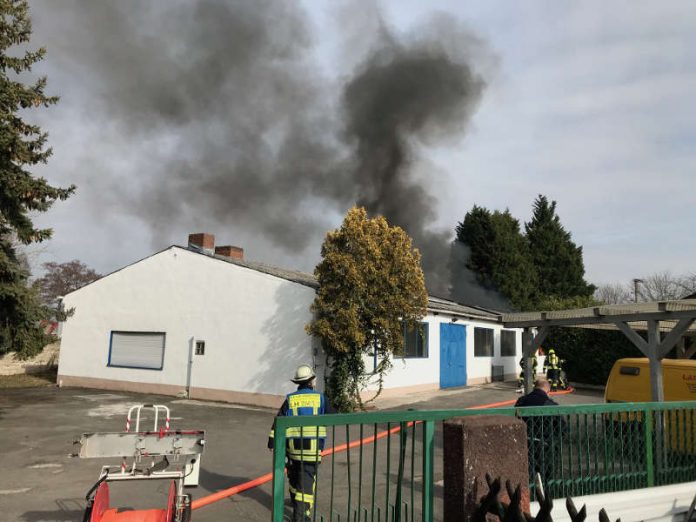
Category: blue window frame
[140,350]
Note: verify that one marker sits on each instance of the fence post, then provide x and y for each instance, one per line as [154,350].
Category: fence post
[476,445]
[428,469]
[279,470]
[403,434]
[649,458]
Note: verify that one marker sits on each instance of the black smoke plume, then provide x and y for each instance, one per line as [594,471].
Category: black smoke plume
[227,121]
[404,92]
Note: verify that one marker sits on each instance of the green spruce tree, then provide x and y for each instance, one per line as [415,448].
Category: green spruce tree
[514,272]
[557,259]
[542,270]
[499,254]
[22,145]
[476,232]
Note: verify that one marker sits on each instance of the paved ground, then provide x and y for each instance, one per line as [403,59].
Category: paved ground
[40,482]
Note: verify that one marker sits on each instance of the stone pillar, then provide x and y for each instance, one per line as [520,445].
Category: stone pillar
[474,446]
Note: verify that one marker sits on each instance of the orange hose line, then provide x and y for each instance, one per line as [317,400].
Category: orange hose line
[223,494]
[360,442]
[513,401]
[220,495]
[259,481]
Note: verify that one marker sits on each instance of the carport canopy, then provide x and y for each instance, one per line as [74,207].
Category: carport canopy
[654,328]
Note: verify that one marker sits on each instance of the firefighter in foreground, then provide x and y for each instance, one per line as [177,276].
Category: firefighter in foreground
[303,445]
[554,371]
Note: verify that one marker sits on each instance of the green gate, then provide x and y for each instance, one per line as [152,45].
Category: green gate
[381,466]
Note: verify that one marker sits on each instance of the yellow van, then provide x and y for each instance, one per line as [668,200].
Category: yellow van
[629,380]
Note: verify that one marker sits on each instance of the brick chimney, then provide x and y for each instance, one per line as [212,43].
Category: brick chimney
[202,241]
[230,251]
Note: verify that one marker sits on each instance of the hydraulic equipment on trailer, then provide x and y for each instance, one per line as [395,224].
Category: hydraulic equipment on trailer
[159,454]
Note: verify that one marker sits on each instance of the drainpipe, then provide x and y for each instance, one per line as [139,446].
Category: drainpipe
[189,368]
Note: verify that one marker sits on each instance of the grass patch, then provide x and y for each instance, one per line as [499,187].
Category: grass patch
[23,380]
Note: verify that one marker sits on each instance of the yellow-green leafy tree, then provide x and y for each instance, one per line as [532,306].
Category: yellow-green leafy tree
[371,287]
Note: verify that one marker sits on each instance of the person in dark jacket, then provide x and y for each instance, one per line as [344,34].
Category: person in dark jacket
[543,432]
[539,396]
[303,445]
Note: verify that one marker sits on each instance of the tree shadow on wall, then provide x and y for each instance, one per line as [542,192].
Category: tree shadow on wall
[288,344]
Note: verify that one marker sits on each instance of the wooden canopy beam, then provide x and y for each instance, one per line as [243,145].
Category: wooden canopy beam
[600,319]
[530,344]
[673,337]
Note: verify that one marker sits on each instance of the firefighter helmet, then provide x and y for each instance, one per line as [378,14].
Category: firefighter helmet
[303,373]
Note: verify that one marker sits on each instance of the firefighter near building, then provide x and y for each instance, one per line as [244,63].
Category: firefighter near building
[305,444]
[523,366]
[553,368]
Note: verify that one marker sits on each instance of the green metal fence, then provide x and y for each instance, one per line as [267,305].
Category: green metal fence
[584,450]
[381,466]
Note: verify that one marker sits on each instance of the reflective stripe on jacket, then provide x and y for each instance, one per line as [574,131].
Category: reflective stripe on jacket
[551,361]
[304,443]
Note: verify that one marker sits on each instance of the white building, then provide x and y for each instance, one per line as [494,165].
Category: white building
[203,322]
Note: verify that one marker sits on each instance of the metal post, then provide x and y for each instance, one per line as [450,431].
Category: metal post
[189,368]
[654,358]
[403,434]
[428,469]
[648,438]
[278,470]
[636,282]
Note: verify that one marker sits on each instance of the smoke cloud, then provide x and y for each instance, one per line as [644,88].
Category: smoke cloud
[230,106]
[465,287]
[229,115]
[407,91]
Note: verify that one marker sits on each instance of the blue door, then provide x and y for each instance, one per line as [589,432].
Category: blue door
[452,355]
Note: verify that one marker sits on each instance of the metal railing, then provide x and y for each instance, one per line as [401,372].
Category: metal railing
[601,448]
[380,466]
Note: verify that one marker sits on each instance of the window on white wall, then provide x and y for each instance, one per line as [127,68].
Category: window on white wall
[483,342]
[137,350]
[416,341]
[508,343]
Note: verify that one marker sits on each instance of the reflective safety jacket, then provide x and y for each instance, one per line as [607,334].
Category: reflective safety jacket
[303,443]
[552,362]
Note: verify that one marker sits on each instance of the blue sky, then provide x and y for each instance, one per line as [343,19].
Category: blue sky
[591,103]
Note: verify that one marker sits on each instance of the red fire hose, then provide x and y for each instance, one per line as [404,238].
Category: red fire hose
[263,479]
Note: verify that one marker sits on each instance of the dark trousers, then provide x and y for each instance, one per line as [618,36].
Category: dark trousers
[552,375]
[302,479]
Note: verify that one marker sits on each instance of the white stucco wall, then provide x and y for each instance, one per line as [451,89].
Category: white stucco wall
[252,323]
[412,372]
[480,367]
